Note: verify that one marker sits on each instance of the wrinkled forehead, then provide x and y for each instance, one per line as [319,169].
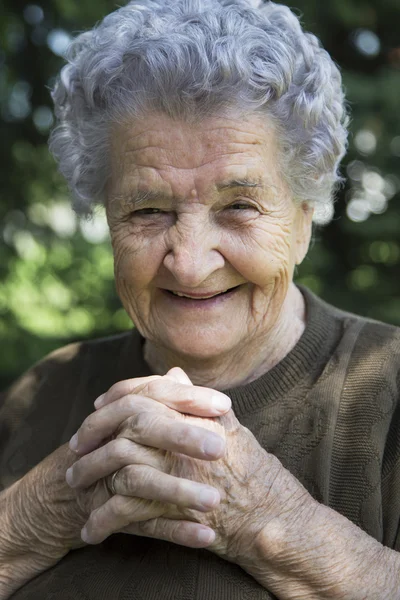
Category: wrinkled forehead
[158,150]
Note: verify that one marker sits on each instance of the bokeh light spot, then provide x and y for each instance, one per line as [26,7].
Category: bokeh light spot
[384,252]
[62,219]
[43,118]
[33,14]
[363,278]
[58,41]
[391,186]
[372,181]
[365,141]
[19,104]
[95,230]
[358,210]
[367,42]
[355,170]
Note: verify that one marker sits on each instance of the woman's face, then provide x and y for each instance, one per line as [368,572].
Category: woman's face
[204,231]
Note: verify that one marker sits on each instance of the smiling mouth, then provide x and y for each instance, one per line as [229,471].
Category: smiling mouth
[201,297]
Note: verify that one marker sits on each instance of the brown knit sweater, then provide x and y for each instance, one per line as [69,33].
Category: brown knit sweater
[329,411]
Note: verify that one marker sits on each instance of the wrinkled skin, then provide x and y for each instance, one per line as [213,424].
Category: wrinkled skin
[243,510]
[188,234]
[252,485]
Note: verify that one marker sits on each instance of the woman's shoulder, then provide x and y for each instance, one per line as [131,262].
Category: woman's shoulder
[78,359]
[365,331]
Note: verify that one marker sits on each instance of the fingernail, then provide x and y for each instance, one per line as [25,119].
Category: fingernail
[99,401]
[209,498]
[213,446]
[205,536]
[85,536]
[221,403]
[69,476]
[73,443]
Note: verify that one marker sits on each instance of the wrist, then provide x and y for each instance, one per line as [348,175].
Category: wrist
[322,555]
[24,550]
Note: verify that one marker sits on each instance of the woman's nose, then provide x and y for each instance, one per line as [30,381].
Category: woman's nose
[193,255]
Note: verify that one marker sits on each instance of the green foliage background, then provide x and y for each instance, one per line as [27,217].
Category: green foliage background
[56,275]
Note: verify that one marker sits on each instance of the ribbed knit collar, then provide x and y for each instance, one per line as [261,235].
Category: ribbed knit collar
[320,334]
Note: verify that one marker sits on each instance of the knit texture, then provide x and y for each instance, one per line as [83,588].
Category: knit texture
[329,411]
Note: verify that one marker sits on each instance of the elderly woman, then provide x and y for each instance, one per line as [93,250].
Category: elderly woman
[244,440]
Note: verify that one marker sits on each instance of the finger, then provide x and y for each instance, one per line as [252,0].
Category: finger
[128,386]
[110,458]
[117,513]
[184,533]
[122,388]
[185,398]
[101,424]
[159,431]
[142,481]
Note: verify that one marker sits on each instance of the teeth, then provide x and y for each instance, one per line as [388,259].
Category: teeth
[196,297]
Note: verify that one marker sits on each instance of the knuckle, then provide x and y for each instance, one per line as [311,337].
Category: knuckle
[118,388]
[120,448]
[151,387]
[185,434]
[129,402]
[88,425]
[180,489]
[95,521]
[120,506]
[148,528]
[191,398]
[140,478]
[140,424]
[128,479]
[178,532]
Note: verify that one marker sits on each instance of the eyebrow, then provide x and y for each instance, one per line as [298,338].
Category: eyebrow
[238,183]
[143,196]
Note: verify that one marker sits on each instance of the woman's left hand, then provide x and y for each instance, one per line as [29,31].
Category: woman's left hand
[253,485]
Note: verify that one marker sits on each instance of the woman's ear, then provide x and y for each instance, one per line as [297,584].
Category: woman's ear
[304,217]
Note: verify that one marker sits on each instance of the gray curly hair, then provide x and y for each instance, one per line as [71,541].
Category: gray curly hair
[192,58]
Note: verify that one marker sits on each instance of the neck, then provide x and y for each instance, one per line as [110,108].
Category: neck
[245,364]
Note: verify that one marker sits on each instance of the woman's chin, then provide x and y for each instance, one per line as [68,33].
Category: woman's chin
[198,345]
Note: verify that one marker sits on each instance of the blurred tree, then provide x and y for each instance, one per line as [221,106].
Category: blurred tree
[56,277]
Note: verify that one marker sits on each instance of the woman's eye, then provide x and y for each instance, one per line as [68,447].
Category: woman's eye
[147,211]
[242,206]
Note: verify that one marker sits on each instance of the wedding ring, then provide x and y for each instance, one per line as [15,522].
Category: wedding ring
[112,484]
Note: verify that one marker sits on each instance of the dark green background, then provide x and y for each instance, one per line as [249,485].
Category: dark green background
[56,285]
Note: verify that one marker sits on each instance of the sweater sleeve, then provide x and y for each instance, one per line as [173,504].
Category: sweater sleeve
[391,480]
[35,411]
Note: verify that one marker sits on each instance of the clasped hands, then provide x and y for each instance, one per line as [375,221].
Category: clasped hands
[188,471]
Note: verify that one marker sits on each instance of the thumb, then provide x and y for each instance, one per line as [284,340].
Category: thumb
[178,375]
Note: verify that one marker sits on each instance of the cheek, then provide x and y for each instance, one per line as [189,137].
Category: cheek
[136,257]
[263,253]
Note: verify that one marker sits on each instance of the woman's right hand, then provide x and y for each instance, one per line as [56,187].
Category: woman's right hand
[149,406]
